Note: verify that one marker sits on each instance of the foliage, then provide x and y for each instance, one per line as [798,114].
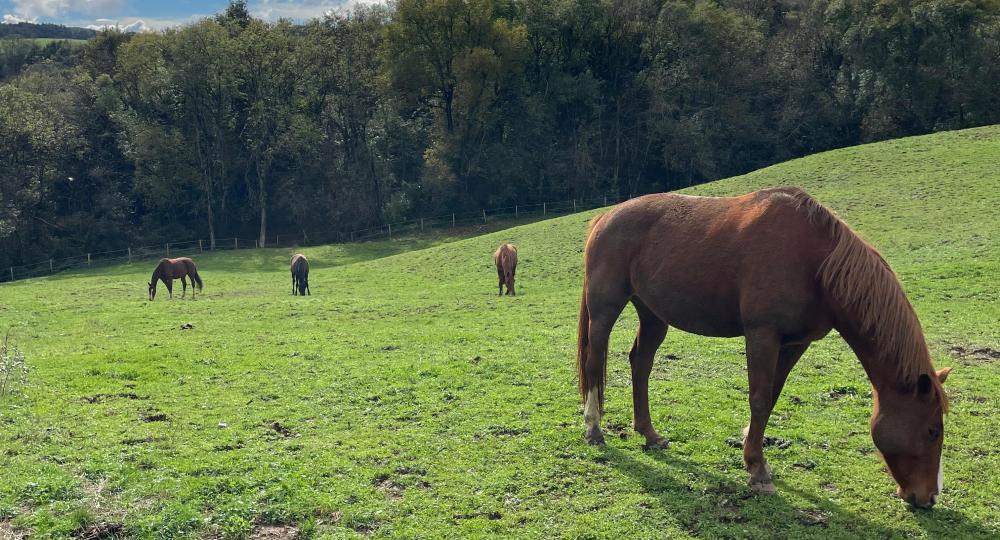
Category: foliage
[403,398]
[232,126]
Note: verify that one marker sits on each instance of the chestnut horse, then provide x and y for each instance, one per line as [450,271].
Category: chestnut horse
[779,269]
[505,258]
[300,275]
[170,269]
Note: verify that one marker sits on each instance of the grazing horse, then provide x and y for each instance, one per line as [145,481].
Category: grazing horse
[170,269]
[505,258]
[300,275]
[779,269]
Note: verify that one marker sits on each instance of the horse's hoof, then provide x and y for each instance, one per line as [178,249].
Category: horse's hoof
[763,488]
[594,439]
[658,444]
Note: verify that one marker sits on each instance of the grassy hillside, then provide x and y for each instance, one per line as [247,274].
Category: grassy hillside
[405,399]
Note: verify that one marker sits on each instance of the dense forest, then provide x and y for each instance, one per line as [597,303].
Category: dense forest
[237,126]
[43,30]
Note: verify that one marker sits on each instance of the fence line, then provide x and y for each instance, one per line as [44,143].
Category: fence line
[304,238]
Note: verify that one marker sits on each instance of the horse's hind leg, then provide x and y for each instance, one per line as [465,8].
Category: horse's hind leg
[603,315]
[500,277]
[170,286]
[184,285]
[763,347]
[651,332]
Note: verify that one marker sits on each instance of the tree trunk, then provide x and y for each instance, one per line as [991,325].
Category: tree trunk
[261,183]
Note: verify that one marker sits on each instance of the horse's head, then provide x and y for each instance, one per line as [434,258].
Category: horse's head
[908,430]
[152,290]
[303,285]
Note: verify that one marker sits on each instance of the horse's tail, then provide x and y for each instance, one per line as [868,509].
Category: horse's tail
[195,278]
[583,331]
[582,341]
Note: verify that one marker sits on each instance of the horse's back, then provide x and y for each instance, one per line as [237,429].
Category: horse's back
[505,256]
[299,263]
[704,263]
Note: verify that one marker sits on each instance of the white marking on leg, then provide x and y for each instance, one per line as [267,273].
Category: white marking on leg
[592,410]
[940,484]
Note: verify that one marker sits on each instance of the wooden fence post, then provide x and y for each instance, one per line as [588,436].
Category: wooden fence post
[421,224]
[236,243]
[484,215]
[50,265]
[200,250]
[574,205]
[277,240]
[130,255]
[390,230]
[452,220]
[12,273]
[88,259]
[543,209]
[515,210]
[605,200]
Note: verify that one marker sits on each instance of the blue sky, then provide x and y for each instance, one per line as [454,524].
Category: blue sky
[154,14]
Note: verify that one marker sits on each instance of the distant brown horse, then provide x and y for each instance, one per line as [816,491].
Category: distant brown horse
[781,270]
[300,275]
[170,269]
[505,258]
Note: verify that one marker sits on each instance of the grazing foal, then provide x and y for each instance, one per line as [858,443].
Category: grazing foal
[779,269]
[505,258]
[300,275]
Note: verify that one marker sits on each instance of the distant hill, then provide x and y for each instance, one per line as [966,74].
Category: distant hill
[44,30]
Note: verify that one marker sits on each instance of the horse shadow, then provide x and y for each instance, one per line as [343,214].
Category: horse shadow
[728,508]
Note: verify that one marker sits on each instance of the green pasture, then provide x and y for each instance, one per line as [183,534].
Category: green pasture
[405,399]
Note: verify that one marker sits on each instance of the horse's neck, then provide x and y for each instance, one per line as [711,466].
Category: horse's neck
[876,356]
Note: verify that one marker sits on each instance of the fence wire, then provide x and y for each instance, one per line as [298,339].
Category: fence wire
[411,227]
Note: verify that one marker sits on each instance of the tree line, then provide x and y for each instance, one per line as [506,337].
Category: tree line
[236,126]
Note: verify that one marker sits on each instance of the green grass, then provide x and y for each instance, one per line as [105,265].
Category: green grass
[411,401]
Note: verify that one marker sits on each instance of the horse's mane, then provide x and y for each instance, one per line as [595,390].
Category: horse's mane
[860,281]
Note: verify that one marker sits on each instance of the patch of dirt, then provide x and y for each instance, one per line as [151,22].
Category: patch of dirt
[842,391]
[97,398]
[274,532]
[144,440]
[729,511]
[8,532]
[617,428]
[392,489]
[780,442]
[99,531]
[978,355]
[503,431]
[282,430]
[154,415]
[813,517]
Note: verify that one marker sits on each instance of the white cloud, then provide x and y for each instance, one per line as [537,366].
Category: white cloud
[14,19]
[302,10]
[59,8]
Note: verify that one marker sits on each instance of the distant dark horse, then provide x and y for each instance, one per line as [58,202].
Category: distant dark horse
[170,269]
[506,261]
[300,274]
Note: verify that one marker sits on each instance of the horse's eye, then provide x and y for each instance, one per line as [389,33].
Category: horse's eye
[933,434]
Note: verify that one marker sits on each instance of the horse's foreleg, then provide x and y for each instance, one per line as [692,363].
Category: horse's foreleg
[651,332]
[762,357]
[293,284]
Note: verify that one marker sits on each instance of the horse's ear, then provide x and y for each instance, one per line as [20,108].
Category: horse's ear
[942,374]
